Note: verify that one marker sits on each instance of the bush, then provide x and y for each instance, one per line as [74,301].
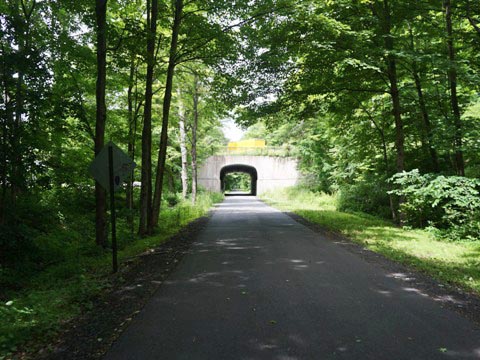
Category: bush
[450,203]
[368,197]
[172,199]
[16,243]
[59,270]
[57,246]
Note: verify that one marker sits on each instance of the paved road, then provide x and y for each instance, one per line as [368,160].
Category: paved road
[258,285]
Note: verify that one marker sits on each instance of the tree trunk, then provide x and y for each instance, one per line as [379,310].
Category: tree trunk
[452,79]
[394,92]
[17,173]
[170,179]
[5,135]
[426,121]
[16,135]
[423,109]
[101,117]
[131,140]
[183,145]
[166,111]
[146,179]
[194,138]
[381,132]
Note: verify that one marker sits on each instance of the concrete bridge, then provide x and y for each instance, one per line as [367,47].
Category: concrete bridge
[266,172]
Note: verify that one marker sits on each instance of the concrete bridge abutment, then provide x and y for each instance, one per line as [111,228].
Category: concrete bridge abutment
[271,172]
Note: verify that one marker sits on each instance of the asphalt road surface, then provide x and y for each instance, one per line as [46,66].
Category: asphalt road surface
[258,285]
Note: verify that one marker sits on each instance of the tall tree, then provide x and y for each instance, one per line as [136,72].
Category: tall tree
[167,99]
[21,63]
[183,144]
[391,63]
[4,142]
[422,104]
[23,44]
[145,224]
[134,104]
[194,137]
[101,116]
[452,79]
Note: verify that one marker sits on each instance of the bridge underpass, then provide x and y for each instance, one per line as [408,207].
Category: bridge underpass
[239,168]
[266,172]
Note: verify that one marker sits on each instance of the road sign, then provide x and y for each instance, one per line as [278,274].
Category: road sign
[111,168]
[122,167]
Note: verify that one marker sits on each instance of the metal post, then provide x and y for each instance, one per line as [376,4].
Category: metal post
[112,209]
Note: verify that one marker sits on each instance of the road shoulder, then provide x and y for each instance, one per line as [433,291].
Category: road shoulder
[448,296]
[91,335]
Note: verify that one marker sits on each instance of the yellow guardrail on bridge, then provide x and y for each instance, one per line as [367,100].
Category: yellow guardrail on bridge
[250,144]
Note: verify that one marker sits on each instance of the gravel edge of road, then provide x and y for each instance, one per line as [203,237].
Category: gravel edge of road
[91,335]
[447,295]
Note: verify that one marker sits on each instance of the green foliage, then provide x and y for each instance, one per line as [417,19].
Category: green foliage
[237,181]
[70,271]
[365,196]
[39,313]
[450,203]
[172,199]
[303,195]
[335,85]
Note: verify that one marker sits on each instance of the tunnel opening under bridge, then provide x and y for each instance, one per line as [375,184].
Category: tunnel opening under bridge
[238,168]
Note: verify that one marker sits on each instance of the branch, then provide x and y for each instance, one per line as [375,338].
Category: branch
[115,48]
[155,57]
[197,58]
[28,14]
[377,91]
[137,109]
[372,119]
[474,24]
[187,13]
[83,113]
[158,89]
[471,20]
[227,29]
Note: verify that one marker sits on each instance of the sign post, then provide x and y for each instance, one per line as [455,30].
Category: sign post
[111,168]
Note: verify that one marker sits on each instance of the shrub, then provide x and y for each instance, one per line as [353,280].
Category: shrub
[172,199]
[368,197]
[450,203]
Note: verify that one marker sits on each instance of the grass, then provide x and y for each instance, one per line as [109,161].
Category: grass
[32,315]
[453,262]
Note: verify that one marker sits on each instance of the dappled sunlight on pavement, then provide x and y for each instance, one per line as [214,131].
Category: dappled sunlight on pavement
[258,285]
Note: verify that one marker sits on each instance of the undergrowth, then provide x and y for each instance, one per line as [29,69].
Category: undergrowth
[37,298]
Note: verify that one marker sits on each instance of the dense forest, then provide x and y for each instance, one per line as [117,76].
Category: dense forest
[380,102]
[378,99]
[77,75]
